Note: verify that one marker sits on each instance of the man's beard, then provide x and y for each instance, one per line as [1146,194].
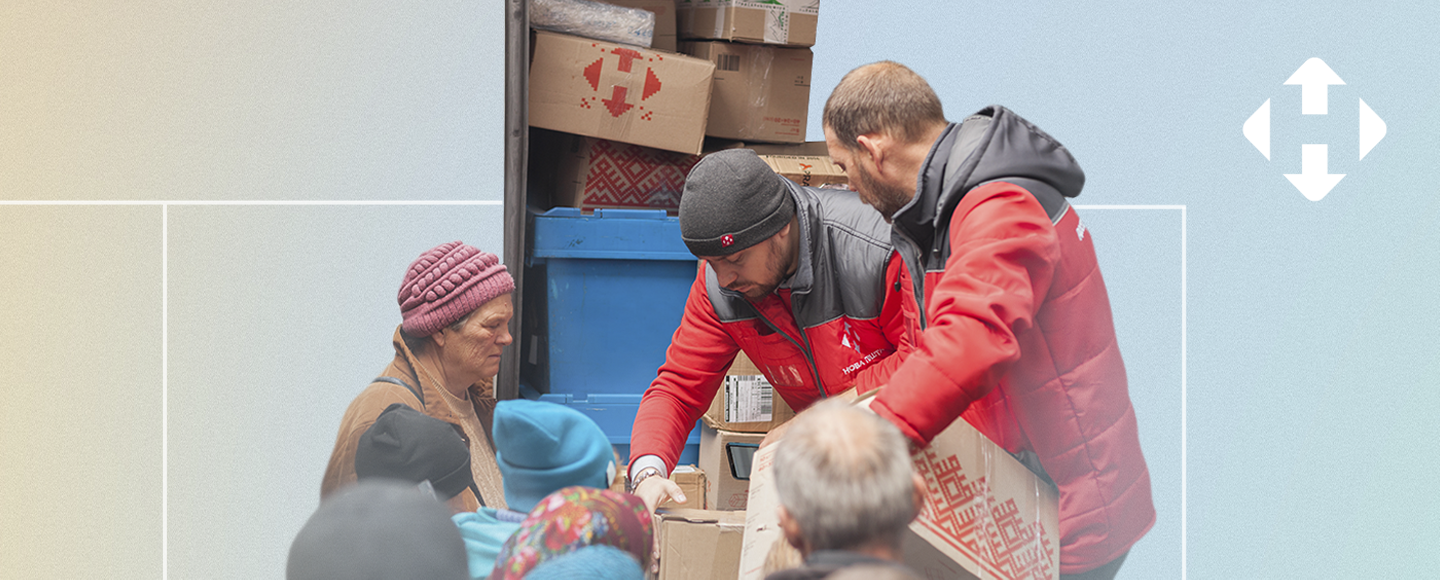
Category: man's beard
[884,198]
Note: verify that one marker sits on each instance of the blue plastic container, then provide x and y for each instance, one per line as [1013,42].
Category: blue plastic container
[615,285]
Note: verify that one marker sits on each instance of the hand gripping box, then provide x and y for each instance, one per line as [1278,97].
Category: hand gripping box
[787,22]
[985,516]
[622,93]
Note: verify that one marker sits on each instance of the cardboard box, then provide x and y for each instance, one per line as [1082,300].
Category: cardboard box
[761,93]
[690,479]
[746,401]
[806,163]
[725,458]
[622,93]
[590,173]
[786,22]
[700,544]
[813,171]
[664,38]
[986,514]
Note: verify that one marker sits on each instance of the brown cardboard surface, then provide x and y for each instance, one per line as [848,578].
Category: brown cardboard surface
[813,171]
[761,93]
[790,22]
[985,515]
[691,480]
[722,490]
[700,544]
[591,173]
[664,11]
[745,375]
[622,93]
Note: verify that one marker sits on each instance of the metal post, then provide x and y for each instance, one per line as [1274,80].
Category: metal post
[517,147]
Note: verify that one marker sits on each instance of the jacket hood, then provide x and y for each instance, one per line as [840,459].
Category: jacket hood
[992,144]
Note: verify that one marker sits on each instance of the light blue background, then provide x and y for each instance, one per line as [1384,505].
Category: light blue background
[1312,325]
[1312,340]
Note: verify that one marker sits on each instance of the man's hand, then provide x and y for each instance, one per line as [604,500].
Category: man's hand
[655,490]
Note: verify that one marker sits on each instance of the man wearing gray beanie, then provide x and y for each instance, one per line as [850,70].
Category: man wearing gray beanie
[803,280]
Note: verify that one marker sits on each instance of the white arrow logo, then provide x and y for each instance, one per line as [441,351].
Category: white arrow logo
[1314,180]
[1314,78]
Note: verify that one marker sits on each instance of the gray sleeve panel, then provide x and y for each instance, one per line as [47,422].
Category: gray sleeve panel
[851,252]
[729,306]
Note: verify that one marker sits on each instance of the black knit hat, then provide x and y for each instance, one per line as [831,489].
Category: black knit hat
[732,201]
[409,445]
[378,529]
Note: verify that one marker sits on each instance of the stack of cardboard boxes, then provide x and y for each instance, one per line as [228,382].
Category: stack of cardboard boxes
[629,122]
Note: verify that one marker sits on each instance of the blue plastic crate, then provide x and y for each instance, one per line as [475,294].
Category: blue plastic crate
[615,414]
[615,285]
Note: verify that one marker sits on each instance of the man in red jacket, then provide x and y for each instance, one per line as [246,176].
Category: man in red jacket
[801,279]
[1008,312]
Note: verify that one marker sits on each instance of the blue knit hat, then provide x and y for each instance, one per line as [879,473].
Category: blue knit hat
[598,562]
[542,447]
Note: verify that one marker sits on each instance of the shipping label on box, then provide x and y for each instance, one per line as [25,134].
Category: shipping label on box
[746,401]
[985,515]
[599,173]
[725,457]
[664,11]
[761,93]
[627,94]
[786,22]
[699,544]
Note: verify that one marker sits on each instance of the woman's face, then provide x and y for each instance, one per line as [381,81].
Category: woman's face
[474,350]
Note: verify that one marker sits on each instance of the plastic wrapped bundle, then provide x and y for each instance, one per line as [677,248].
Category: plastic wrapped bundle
[594,20]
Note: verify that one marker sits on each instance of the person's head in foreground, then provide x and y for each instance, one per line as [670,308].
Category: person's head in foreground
[456,305]
[541,447]
[580,532]
[407,445]
[378,530]
[846,482]
[738,215]
[880,122]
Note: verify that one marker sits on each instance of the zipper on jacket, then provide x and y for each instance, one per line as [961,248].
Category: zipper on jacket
[804,349]
[917,278]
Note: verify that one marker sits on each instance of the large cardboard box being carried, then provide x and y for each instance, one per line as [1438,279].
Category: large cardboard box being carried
[591,173]
[761,93]
[664,11]
[746,401]
[986,515]
[787,22]
[699,544]
[622,93]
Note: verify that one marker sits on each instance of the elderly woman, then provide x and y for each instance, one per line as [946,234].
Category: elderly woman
[456,307]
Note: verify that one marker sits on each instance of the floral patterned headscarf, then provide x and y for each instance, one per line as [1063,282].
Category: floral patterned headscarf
[573,518]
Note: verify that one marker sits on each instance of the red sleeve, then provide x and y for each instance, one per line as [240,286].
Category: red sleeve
[695,364]
[1002,253]
[892,320]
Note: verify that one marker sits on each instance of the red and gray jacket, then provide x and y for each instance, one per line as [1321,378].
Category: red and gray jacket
[833,325]
[1012,328]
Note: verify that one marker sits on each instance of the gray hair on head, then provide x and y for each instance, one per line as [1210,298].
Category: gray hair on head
[844,474]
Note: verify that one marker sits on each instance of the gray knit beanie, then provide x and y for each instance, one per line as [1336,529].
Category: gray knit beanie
[732,201]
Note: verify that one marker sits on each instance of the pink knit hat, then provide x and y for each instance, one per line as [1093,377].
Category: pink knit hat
[446,283]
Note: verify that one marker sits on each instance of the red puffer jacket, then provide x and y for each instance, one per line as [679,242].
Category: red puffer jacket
[1013,331]
[837,324]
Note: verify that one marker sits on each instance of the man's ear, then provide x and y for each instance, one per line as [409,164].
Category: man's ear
[919,493]
[791,529]
[875,146]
